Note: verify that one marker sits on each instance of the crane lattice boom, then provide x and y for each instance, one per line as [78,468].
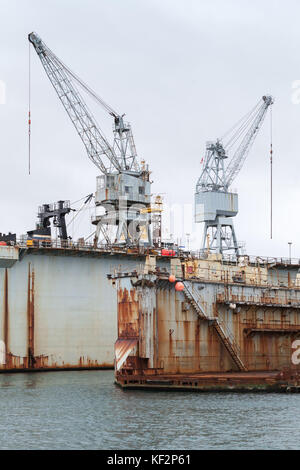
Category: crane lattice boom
[241,153]
[216,176]
[215,204]
[122,155]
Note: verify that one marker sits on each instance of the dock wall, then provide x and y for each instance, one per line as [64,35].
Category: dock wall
[210,327]
[58,310]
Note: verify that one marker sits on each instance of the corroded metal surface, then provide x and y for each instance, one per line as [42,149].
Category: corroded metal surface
[229,381]
[9,255]
[58,309]
[123,347]
[222,327]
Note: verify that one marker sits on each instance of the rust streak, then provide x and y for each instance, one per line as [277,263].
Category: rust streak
[6,314]
[30,317]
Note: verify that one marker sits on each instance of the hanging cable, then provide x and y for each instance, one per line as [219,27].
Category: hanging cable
[29,111]
[271,173]
[81,83]
[243,118]
[237,160]
[87,198]
[81,209]
[243,127]
[241,135]
[87,238]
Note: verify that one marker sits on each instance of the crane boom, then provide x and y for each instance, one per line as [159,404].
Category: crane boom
[241,153]
[98,148]
[125,186]
[215,204]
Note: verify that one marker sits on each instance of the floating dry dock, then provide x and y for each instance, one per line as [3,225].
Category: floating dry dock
[58,310]
[232,327]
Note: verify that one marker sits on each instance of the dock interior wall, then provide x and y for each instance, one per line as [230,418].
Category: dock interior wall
[60,311]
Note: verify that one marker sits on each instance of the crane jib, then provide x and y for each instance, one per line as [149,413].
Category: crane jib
[215,203]
[241,153]
[119,156]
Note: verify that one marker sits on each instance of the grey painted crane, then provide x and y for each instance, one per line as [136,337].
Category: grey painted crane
[215,205]
[124,187]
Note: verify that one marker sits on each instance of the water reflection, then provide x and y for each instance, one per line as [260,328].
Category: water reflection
[85,410]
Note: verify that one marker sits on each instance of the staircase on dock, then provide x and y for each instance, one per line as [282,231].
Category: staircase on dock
[220,327]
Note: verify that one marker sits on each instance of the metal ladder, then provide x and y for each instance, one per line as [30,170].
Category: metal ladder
[229,342]
[222,330]
[190,296]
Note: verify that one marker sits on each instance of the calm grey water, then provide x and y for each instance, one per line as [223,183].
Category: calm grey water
[85,410]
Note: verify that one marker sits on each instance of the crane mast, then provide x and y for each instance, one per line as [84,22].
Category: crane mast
[124,187]
[213,174]
[215,205]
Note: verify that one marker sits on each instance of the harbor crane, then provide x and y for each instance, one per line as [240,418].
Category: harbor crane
[215,204]
[124,186]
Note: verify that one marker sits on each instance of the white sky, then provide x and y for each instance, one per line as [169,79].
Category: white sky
[184,72]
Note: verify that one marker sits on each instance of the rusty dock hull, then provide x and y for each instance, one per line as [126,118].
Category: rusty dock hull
[58,310]
[267,381]
[217,333]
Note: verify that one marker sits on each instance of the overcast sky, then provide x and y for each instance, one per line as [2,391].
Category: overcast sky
[183,72]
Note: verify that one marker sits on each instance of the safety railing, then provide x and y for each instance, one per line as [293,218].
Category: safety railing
[194,296]
[82,246]
[251,259]
[228,334]
[143,249]
[223,330]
